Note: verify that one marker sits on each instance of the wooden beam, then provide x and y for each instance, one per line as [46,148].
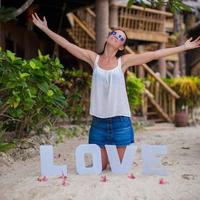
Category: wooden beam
[83,27]
[147,35]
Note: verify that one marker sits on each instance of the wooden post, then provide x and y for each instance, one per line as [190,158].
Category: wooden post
[101,23]
[178,19]
[144,105]
[157,89]
[173,108]
[162,61]
[141,69]
[113,16]
[176,71]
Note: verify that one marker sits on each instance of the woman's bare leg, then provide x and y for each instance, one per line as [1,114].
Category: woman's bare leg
[104,158]
[121,151]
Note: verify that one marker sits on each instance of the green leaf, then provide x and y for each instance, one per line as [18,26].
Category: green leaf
[4,147]
[130,3]
[50,93]
[57,61]
[23,75]
[46,57]
[32,64]
[28,104]
[40,55]
[11,55]
[44,87]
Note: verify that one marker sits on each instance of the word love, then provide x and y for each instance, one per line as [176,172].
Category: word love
[150,160]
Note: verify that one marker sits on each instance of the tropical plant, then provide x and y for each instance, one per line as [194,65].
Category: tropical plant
[174,5]
[29,97]
[188,88]
[135,88]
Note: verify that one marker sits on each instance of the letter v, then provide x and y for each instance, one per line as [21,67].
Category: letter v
[128,158]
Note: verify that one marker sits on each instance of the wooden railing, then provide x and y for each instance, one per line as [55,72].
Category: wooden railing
[87,16]
[81,35]
[142,23]
[159,93]
[161,96]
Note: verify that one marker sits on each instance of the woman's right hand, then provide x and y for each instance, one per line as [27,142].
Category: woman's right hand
[38,22]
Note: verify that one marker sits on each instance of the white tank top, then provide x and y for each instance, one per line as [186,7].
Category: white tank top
[108,97]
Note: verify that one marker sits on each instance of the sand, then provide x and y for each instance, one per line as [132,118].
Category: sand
[19,180]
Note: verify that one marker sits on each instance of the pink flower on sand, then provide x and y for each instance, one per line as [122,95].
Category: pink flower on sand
[103,178]
[63,176]
[44,179]
[39,179]
[64,179]
[131,176]
[64,182]
[162,181]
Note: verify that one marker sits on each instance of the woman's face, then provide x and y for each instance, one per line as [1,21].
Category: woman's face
[117,38]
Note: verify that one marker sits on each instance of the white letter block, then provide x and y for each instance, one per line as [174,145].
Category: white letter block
[151,160]
[128,158]
[46,163]
[92,149]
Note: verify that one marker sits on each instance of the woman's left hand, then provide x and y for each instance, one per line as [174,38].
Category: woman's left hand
[192,44]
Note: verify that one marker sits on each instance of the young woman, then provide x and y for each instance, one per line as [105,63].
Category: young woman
[109,106]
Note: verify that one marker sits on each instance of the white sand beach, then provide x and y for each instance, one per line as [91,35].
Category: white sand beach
[19,180]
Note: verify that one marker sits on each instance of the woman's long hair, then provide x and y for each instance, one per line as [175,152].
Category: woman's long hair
[119,52]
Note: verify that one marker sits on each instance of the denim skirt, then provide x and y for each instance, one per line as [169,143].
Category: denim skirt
[117,130]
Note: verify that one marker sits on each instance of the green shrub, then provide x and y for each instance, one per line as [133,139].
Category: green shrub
[77,88]
[188,88]
[29,97]
[135,88]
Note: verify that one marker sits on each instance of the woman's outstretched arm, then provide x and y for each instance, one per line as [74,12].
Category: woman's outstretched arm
[142,58]
[83,54]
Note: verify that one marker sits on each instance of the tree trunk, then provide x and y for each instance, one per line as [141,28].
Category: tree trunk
[113,17]
[178,19]
[20,10]
[101,23]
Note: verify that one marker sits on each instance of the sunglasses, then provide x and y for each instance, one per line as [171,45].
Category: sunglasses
[118,36]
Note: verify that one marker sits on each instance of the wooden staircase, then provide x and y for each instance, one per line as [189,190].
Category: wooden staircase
[159,99]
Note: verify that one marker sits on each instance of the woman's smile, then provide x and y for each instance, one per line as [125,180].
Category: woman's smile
[114,38]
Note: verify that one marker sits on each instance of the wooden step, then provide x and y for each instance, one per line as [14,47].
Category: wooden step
[157,120]
[151,113]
